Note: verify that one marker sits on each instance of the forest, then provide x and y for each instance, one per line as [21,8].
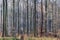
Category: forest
[31,18]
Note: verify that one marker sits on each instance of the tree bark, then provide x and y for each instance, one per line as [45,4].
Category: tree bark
[4,17]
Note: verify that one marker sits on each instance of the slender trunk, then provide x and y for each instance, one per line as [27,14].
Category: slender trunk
[45,16]
[13,29]
[41,17]
[34,15]
[18,16]
[4,17]
[27,16]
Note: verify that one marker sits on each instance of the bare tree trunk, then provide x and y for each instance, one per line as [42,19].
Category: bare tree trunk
[41,18]
[4,17]
[27,17]
[34,16]
[18,15]
[14,27]
[45,16]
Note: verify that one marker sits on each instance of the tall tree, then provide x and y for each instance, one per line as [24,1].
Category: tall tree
[14,28]
[27,16]
[18,15]
[4,17]
[55,17]
[41,17]
[34,16]
[45,16]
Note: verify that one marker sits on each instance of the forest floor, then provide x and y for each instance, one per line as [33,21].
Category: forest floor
[43,38]
[40,38]
[31,38]
[34,38]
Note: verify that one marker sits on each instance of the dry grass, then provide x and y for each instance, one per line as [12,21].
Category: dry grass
[36,38]
[39,38]
[42,38]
